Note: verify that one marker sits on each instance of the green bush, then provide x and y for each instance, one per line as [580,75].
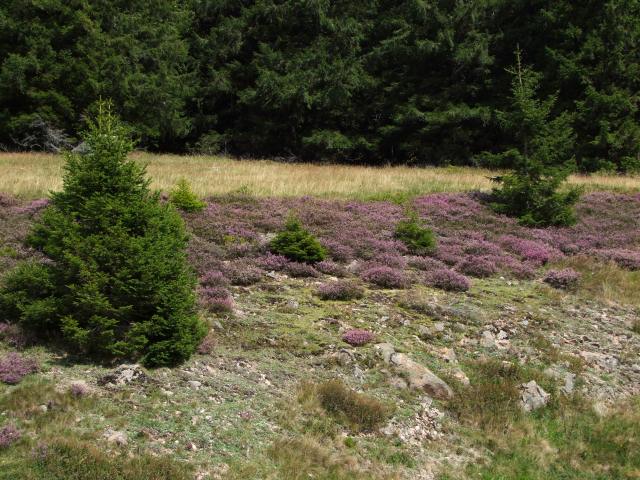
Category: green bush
[361,411]
[183,197]
[116,282]
[418,239]
[297,244]
[542,156]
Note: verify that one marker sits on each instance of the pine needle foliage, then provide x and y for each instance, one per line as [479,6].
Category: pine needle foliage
[542,156]
[116,282]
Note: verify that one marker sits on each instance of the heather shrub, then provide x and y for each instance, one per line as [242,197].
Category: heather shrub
[214,278]
[14,367]
[360,411]
[418,239]
[449,280]
[243,273]
[340,290]
[386,277]
[565,279]
[270,262]
[208,344]
[9,434]
[357,337]
[115,282]
[331,268]
[215,299]
[301,270]
[79,389]
[627,259]
[297,244]
[478,266]
[183,197]
[425,263]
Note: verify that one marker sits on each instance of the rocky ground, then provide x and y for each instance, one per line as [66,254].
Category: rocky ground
[471,377]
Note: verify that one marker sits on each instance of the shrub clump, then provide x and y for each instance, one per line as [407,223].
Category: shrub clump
[357,337]
[340,290]
[449,280]
[331,268]
[116,282]
[216,299]
[9,434]
[361,411]
[183,197]
[385,277]
[418,239]
[301,270]
[297,244]
[562,279]
[14,367]
[480,267]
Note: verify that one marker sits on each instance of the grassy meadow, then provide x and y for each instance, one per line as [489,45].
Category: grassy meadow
[276,390]
[32,175]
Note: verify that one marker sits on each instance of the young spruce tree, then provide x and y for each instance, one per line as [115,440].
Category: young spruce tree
[542,156]
[116,283]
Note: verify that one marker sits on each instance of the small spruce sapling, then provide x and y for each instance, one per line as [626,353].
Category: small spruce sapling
[542,156]
[182,197]
[297,244]
[116,282]
[419,239]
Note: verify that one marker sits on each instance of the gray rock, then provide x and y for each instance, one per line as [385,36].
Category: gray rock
[488,339]
[569,379]
[116,437]
[417,376]
[124,375]
[532,396]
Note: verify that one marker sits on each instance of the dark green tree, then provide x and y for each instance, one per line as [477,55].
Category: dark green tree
[116,282]
[57,57]
[541,153]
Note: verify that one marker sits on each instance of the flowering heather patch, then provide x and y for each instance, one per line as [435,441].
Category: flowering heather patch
[301,270]
[628,259]
[385,277]
[449,280]
[33,207]
[329,267]
[478,266]
[530,250]
[8,435]
[425,263]
[231,235]
[215,299]
[207,345]
[14,367]
[242,273]
[562,279]
[270,262]
[357,337]
[214,278]
[340,290]
[79,389]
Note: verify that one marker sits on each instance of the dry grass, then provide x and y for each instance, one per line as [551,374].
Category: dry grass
[604,280]
[32,175]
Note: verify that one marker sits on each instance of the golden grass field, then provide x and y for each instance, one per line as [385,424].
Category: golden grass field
[32,175]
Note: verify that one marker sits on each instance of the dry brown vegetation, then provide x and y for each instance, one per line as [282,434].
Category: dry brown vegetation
[32,175]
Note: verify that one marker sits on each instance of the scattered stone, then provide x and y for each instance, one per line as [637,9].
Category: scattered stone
[602,360]
[461,377]
[532,396]
[488,339]
[569,379]
[426,425]
[124,375]
[418,376]
[116,437]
